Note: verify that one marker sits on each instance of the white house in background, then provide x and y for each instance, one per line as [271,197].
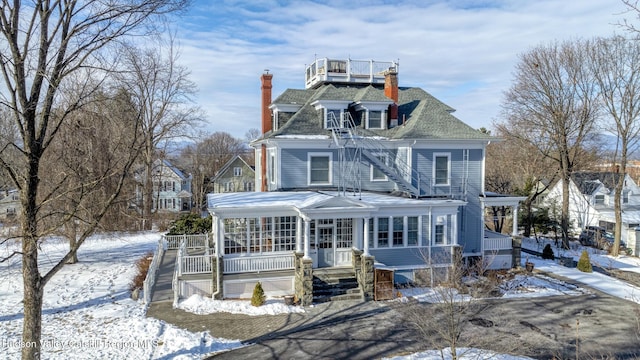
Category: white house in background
[355,174]
[9,204]
[171,188]
[591,202]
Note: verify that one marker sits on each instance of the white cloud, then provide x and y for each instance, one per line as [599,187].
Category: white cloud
[461,52]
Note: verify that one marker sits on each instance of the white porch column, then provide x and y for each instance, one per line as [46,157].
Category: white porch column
[307,240]
[214,232]
[514,232]
[299,230]
[220,243]
[454,228]
[366,238]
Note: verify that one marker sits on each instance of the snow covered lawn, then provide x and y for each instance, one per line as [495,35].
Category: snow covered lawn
[88,312]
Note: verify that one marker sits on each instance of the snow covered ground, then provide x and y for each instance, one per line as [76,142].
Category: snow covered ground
[88,312]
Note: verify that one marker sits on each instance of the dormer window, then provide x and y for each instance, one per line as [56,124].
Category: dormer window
[374,120]
[333,118]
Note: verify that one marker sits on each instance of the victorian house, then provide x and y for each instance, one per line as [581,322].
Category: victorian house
[356,174]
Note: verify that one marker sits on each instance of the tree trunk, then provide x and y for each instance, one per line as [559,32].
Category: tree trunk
[31,278]
[564,216]
[72,234]
[147,211]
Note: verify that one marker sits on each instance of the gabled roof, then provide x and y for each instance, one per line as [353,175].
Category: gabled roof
[589,181]
[420,115]
[228,164]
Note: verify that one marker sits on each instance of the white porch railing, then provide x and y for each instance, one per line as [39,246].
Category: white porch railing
[494,241]
[196,264]
[259,263]
[152,272]
[195,241]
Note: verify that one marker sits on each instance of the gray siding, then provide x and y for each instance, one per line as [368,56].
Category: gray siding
[399,256]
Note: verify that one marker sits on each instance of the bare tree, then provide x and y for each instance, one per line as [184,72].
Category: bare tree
[616,67]
[86,160]
[514,166]
[162,91]
[456,302]
[47,48]
[552,105]
[206,157]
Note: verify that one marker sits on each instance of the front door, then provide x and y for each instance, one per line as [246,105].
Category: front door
[326,243]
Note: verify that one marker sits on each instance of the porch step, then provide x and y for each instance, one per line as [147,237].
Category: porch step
[335,284]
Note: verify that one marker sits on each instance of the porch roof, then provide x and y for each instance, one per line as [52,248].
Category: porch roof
[495,199]
[313,204]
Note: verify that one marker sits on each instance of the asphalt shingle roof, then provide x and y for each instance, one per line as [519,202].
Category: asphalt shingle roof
[425,117]
[589,181]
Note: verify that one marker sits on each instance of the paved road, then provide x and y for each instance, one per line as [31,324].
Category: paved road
[595,325]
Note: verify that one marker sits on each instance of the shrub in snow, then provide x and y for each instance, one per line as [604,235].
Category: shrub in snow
[190,224]
[547,252]
[584,264]
[142,267]
[258,297]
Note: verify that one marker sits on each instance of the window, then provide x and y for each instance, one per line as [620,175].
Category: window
[272,168]
[344,234]
[228,186]
[375,119]
[333,118]
[235,235]
[237,171]
[439,231]
[320,169]
[398,229]
[248,186]
[625,197]
[412,231]
[383,232]
[285,233]
[377,174]
[441,169]
[599,199]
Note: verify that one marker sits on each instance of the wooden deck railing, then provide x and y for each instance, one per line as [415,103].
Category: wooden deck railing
[152,272]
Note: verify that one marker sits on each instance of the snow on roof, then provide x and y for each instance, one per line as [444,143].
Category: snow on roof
[297,199]
[307,199]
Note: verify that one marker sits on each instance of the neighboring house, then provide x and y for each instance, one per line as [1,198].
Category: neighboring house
[235,176]
[591,202]
[9,204]
[171,188]
[356,173]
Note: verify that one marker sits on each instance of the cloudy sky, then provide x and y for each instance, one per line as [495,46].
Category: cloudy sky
[462,52]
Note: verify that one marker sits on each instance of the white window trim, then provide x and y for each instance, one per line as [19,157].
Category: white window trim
[326,117]
[448,156]
[237,171]
[372,168]
[272,170]
[383,119]
[319,154]
[436,221]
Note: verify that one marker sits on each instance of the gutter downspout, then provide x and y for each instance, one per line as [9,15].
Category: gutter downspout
[214,230]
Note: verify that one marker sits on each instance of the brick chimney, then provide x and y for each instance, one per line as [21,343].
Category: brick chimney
[266,101]
[266,125]
[391,91]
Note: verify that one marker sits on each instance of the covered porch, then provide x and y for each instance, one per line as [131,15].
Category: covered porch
[497,249]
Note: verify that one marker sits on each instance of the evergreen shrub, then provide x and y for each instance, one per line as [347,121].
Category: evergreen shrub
[584,264]
[258,297]
[547,252]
